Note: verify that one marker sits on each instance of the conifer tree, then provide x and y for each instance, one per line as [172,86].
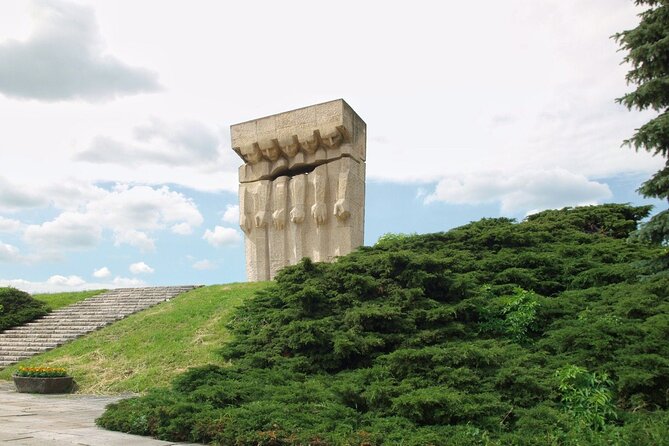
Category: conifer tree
[647,48]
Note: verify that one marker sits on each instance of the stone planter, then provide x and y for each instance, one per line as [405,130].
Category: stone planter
[29,384]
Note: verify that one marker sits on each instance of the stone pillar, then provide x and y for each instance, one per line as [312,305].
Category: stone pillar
[302,186]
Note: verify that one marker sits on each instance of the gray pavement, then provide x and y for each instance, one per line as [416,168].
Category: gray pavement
[59,420]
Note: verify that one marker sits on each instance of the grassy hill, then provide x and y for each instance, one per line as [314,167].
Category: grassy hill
[552,331]
[149,348]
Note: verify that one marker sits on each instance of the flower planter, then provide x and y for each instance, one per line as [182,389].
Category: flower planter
[29,384]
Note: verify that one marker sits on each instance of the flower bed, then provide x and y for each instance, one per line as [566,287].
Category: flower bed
[43,380]
[41,372]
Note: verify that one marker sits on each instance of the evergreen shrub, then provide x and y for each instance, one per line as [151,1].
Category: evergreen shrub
[494,333]
[18,307]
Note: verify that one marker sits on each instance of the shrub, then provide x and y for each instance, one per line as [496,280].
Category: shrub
[438,339]
[18,308]
[586,396]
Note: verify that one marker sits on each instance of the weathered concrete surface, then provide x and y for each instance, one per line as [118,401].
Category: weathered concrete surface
[301,187]
[59,420]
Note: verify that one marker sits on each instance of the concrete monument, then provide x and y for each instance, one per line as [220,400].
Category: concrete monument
[301,187]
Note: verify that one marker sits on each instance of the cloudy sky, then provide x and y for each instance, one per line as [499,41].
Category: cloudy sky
[116,167]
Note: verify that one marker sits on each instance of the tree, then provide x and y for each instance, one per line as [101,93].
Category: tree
[647,48]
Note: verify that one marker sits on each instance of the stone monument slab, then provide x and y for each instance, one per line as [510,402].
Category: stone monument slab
[302,186]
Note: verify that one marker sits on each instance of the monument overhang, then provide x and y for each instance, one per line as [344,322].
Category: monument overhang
[314,154]
[301,131]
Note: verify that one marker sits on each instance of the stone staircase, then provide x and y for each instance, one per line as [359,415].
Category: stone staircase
[68,323]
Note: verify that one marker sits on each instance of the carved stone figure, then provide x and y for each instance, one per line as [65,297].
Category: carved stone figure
[302,186]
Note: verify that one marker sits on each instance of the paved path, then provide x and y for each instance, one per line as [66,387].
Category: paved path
[59,420]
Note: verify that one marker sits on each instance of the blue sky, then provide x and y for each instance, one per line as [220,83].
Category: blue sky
[117,166]
[174,258]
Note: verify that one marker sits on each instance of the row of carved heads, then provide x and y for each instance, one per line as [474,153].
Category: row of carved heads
[310,145]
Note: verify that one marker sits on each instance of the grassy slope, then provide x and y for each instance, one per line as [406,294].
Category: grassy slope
[58,300]
[149,348]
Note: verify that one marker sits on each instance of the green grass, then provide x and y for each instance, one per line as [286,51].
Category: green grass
[58,300]
[149,348]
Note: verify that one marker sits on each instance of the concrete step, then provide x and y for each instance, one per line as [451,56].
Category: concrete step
[106,311]
[98,305]
[54,329]
[92,301]
[65,323]
[9,335]
[38,344]
[52,319]
[23,337]
[75,316]
[16,358]
[38,340]
[51,325]
[5,350]
[38,333]
[33,336]
[20,350]
[53,342]
[74,319]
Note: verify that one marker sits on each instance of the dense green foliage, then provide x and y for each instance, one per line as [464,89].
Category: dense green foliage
[18,307]
[647,48]
[550,331]
[587,396]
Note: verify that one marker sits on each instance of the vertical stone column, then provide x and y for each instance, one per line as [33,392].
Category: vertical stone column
[259,240]
[302,186]
[320,214]
[277,233]
[298,185]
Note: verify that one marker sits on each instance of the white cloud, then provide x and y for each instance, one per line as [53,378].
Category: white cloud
[231,214]
[71,194]
[102,273]
[182,229]
[182,143]
[69,281]
[124,282]
[131,213]
[221,236]
[9,253]
[204,265]
[521,193]
[15,197]
[71,230]
[145,208]
[140,268]
[9,225]
[59,283]
[64,59]
[549,104]
[135,238]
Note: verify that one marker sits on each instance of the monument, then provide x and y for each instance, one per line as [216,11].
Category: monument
[301,187]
